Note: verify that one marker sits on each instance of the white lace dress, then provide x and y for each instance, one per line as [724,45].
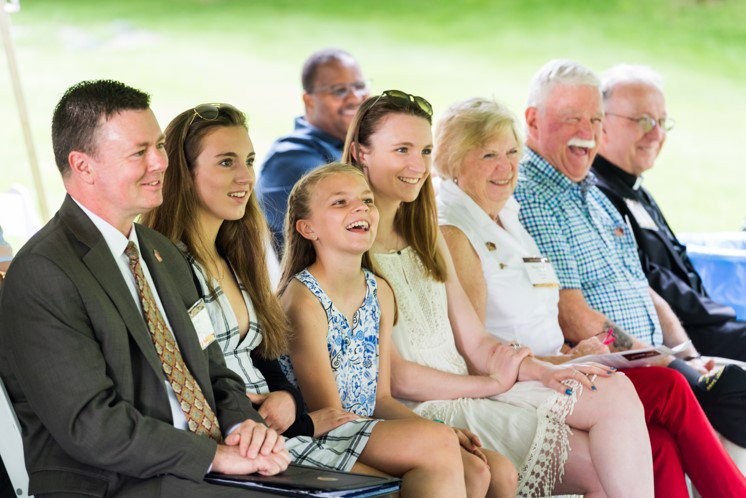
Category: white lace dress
[526,423]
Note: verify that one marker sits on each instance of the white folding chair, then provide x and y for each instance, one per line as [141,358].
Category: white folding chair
[11,446]
[18,214]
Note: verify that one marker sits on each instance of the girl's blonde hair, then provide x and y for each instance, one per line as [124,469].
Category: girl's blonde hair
[241,242]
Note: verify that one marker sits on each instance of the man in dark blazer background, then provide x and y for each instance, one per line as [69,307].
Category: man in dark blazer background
[99,416]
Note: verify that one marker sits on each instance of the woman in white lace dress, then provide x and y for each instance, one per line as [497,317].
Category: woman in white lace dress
[450,369]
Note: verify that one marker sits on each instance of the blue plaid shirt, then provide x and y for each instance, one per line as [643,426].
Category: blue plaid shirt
[588,243]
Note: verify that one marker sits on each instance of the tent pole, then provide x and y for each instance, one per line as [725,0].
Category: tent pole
[22,111]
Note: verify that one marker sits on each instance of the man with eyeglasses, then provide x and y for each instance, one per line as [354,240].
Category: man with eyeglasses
[333,89]
[635,125]
[604,292]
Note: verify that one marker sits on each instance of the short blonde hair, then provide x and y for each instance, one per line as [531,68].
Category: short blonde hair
[466,125]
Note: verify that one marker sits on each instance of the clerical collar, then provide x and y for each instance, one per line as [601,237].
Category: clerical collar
[606,168]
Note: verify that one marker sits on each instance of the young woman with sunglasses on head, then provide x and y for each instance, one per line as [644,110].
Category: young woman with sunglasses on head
[452,369]
[210,210]
[341,313]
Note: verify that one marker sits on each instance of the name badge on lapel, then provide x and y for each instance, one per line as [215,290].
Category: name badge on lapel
[640,214]
[202,323]
[540,272]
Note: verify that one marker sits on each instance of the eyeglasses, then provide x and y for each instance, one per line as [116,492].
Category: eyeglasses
[647,123]
[410,99]
[343,90]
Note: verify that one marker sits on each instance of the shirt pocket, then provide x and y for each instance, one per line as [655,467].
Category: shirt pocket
[598,259]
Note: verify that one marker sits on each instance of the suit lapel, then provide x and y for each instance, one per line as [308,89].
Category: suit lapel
[99,260]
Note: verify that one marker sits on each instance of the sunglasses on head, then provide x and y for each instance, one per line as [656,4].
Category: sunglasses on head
[410,99]
[205,112]
[208,112]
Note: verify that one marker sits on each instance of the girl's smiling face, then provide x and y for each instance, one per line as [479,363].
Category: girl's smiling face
[343,215]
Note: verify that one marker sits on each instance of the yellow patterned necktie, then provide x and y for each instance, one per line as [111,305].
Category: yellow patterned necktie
[200,417]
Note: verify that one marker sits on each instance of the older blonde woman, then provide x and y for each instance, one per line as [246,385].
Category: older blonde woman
[515,291]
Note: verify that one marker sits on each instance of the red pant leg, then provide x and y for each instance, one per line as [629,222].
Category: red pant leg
[668,471]
[670,403]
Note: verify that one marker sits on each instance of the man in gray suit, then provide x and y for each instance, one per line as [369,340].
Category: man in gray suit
[104,350]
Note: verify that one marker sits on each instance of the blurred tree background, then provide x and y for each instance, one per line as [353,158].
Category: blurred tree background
[249,53]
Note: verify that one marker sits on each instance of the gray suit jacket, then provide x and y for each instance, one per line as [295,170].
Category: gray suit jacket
[82,371]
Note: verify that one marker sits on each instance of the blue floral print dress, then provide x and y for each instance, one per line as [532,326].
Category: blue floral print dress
[353,348]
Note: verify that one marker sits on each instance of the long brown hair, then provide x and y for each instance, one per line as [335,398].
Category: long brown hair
[242,243]
[416,221]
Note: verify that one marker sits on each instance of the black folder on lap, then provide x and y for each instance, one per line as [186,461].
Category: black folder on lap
[300,480]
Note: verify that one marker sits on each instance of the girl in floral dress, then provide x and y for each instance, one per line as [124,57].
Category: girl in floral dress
[341,315]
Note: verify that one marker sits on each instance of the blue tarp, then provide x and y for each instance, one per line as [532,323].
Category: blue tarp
[720,259]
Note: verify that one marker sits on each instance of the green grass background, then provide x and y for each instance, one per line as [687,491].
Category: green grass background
[249,53]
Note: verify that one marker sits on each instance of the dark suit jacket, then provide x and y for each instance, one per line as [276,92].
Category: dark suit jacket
[82,371]
[669,270]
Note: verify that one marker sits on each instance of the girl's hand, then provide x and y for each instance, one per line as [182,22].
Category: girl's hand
[327,419]
[504,363]
[276,408]
[592,345]
[470,442]
[553,375]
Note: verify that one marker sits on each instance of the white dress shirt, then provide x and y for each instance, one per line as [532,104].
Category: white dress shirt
[117,243]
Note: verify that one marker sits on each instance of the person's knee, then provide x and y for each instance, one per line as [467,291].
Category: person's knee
[626,391]
[673,380]
[503,475]
[441,444]
[656,382]
[477,474]
[618,395]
